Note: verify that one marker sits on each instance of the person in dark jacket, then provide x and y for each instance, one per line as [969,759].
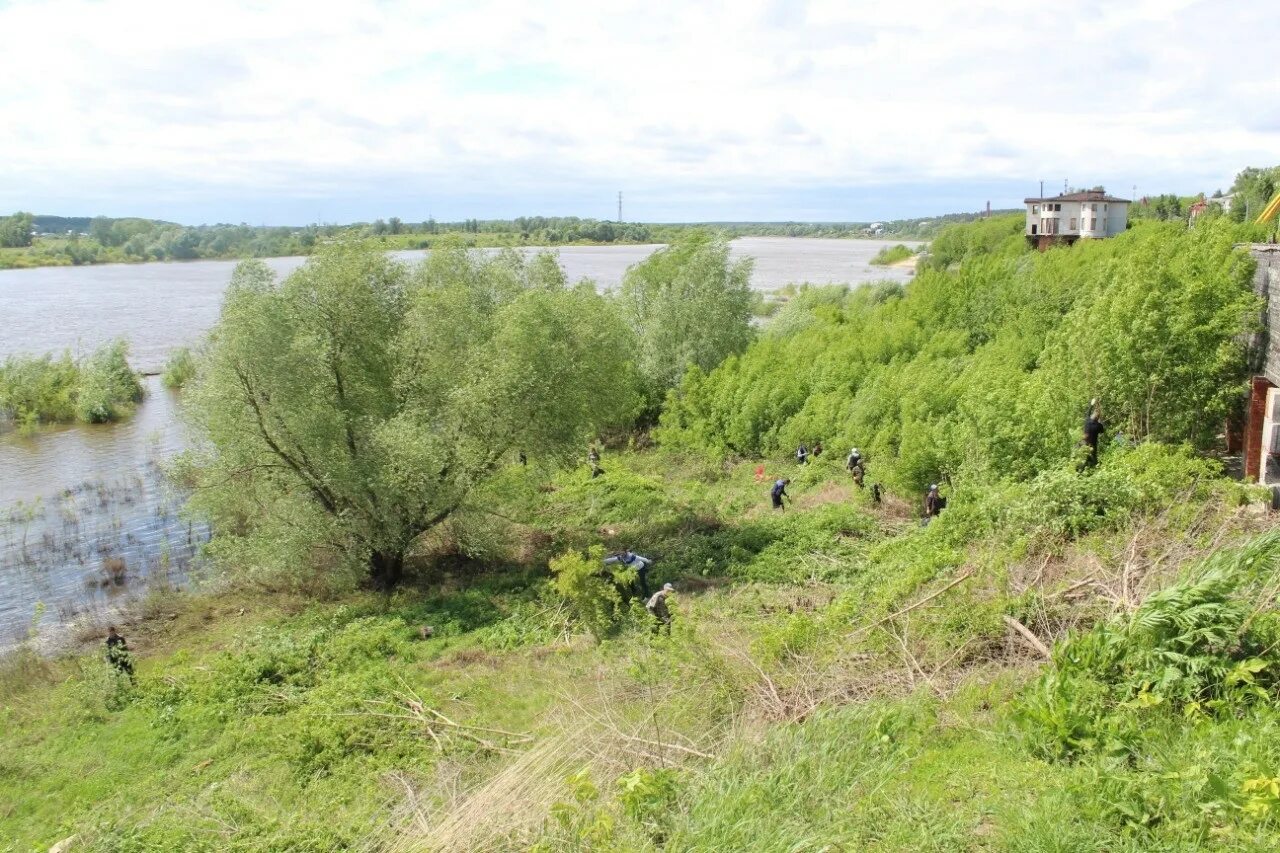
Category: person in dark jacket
[593,459]
[778,492]
[817,449]
[118,654]
[933,503]
[1093,430]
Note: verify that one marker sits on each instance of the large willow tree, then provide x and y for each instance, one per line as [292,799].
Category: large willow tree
[354,406]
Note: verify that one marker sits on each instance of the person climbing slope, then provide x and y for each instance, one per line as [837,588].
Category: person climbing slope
[632,560]
[779,492]
[1093,430]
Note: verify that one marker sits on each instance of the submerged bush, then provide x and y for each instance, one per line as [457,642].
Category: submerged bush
[891,255]
[38,389]
[108,386]
[45,389]
[179,369]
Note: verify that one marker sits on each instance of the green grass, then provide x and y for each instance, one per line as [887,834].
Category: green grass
[784,713]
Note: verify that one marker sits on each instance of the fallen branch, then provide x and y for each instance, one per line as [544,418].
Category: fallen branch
[920,603]
[1028,636]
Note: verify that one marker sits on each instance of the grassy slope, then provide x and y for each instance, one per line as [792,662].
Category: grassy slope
[782,714]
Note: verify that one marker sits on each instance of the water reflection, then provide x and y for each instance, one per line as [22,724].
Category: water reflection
[68,550]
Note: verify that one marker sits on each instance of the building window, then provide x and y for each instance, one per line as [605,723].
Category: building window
[1073,223]
[1034,228]
[1035,209]
[1094,208]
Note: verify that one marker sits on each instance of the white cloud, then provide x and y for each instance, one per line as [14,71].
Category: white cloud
[110,102]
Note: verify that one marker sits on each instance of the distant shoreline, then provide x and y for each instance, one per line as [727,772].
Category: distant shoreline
[32,259]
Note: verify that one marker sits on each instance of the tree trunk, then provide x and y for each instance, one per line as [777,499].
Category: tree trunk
[386,569]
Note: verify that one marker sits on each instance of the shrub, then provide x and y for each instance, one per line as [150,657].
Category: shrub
[180,368]
[592,595]
[38,389]
[108,386]
[1194,648]
[891,255]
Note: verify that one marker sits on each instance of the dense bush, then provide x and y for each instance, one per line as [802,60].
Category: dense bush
[983,371]
[179,369]
[44,389]
[108,386]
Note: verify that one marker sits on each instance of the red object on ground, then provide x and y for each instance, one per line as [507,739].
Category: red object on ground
[759,473]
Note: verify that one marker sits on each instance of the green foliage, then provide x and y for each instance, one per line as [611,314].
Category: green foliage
[1190,649]
[984,370]
[360,401]
[108,389]
[689,307]
[38,389]
[179,369]
[891,255]
[15,230]
[591,588]
[996,235]
[44,389]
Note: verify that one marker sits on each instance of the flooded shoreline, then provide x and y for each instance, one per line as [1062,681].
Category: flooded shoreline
[74,499]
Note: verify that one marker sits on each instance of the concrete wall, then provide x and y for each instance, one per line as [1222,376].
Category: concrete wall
[1266,283]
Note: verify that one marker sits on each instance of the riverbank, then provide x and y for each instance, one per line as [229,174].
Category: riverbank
[819,683]
[63,252]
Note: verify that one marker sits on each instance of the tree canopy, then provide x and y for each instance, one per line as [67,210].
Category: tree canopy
[354,406]
[689,307]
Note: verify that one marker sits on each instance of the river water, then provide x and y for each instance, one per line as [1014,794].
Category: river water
[86,516]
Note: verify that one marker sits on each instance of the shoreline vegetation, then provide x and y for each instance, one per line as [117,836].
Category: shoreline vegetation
[49,389]
[72,241]
[414,473]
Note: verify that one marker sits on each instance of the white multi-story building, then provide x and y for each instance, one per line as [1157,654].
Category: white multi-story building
[1087,215]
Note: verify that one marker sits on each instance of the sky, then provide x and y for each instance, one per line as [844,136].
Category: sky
[751,110]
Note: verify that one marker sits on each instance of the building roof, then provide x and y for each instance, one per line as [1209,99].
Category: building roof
[1086,195]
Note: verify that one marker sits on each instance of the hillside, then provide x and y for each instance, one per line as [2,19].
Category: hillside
[1068,657]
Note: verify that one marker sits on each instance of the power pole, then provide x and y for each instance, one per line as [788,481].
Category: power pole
[1042,190]
[619,206]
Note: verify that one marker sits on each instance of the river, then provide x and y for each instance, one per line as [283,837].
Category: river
[86,517]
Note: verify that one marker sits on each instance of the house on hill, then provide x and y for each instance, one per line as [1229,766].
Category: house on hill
[1087,215]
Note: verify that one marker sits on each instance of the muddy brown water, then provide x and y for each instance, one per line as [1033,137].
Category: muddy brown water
[76,500]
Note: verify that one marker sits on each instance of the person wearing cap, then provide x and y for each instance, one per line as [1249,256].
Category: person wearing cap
[1093,430]
[854,466]
[657,607]
[933,503]
[632,560]
[802,455]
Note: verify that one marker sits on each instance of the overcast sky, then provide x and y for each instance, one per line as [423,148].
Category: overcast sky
[294,112]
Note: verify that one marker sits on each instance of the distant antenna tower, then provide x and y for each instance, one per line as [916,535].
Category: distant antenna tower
[619,205]
[1064,186]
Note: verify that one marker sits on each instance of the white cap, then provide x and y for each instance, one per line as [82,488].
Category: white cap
[933,486]
[668,587]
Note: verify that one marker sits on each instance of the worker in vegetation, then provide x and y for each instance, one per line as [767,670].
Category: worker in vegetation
[934,503]
[657,606]
[524,460]
[853,465]
[118,654]
[802,455]
[1093,430]
[779,492]
[877,493]
[593,459]
[632,560]
[817,449]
